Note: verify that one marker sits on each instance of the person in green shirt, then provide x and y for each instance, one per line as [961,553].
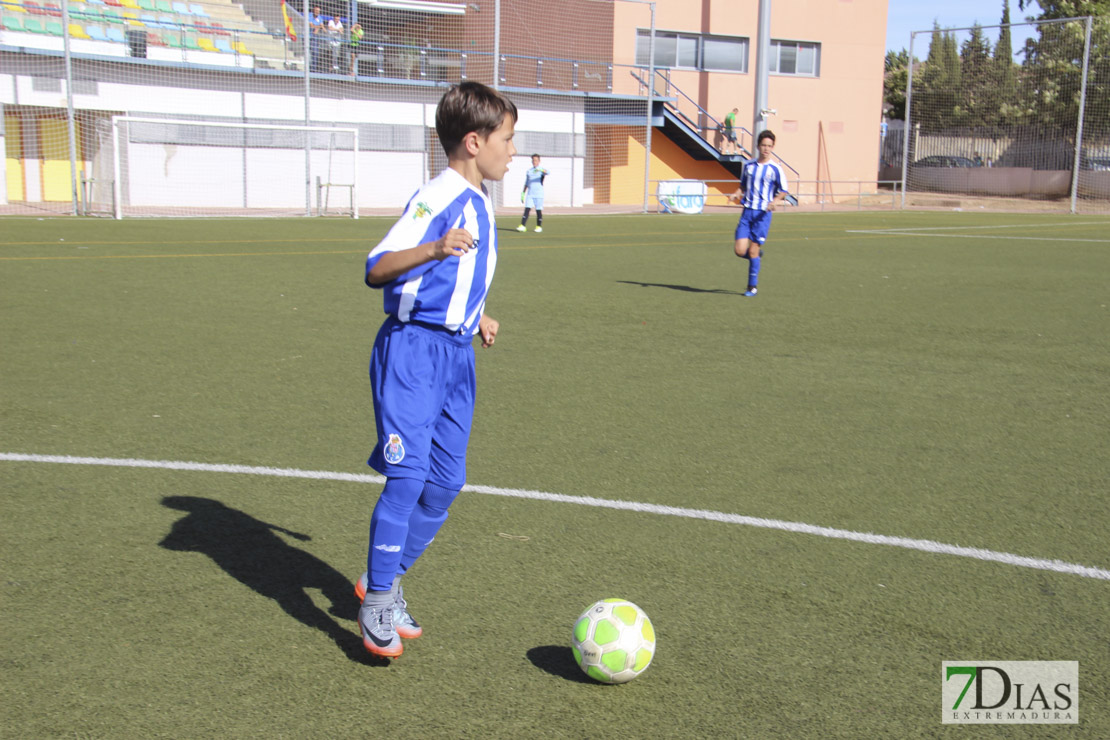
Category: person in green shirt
[354,41]
[730,133]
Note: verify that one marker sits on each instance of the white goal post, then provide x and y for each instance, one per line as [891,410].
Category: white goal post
[204,168]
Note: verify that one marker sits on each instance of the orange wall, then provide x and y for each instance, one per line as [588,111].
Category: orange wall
[845,99]
[626,177]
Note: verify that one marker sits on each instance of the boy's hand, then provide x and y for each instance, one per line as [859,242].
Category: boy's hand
[488,327]
[455,243]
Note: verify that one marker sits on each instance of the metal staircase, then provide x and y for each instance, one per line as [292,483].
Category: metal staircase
[692,127]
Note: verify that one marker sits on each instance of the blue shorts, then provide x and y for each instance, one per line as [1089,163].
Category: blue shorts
[533,201]
[423,385]
[754,225]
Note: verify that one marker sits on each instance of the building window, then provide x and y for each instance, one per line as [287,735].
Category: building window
[795,58]
[693,51]
[725,54]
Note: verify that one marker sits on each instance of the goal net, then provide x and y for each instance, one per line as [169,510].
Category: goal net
[219,111]
[1009,117]
[183,167]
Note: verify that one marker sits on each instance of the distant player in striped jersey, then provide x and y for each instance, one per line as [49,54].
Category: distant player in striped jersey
[762,189]
[434,268]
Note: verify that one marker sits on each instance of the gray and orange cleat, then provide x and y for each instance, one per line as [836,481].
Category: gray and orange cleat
[378,634]
[406,626]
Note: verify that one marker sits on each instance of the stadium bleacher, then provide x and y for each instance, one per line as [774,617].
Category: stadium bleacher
[214,26]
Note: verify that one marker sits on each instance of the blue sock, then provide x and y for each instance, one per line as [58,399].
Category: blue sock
[389,529]
[753,272]
[428,516]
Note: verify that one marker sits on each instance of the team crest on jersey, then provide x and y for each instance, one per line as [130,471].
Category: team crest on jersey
[394,450]
[422,210]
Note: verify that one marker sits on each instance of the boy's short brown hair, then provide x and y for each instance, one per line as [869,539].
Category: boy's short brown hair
[765,134]
[470,106]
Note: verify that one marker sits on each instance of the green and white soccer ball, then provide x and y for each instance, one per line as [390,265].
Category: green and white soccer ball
[614,641]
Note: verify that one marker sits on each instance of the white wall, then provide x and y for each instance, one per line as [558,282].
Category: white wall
[557,186]
[210,177]
[564,186]
[224,177]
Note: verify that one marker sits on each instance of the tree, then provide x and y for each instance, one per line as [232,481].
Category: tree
[1004,74]
[1004,49]
[977,90]
[951,60]
[936,97]
[895,75]
[1054,9]
[1052,69]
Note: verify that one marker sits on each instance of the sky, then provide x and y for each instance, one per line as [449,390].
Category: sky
[904,16]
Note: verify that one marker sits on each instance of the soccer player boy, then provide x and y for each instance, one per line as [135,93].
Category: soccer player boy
[762,189]
[532,195]
[434,268]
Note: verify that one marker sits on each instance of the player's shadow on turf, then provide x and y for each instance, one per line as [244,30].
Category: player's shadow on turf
[683,288]
[558,660]
[250,551]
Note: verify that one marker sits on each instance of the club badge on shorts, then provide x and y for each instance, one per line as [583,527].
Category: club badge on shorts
[394,450]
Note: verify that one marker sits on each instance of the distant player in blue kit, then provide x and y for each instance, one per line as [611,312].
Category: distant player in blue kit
[532,195]
[762,189]
[434,268]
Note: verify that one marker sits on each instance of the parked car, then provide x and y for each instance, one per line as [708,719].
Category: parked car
[943,160]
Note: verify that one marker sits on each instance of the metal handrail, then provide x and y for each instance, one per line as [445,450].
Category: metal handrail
[785,164]
[823,194]
[671,86]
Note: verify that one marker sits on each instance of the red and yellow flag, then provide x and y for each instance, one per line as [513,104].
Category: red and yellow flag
[290,31]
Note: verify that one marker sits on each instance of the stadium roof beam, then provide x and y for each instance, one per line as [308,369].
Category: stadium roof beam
[418,6]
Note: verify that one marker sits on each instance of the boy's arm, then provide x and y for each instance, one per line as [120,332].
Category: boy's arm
[781,193]
[391,265]
[738,195]
[488,327]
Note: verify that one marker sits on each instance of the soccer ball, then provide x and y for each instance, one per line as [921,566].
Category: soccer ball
[614,641]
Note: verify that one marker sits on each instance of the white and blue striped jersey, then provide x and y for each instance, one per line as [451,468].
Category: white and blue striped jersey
[761,183]
[452,292]
[533,181]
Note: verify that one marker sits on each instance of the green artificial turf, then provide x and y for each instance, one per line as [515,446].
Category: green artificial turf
[934,376]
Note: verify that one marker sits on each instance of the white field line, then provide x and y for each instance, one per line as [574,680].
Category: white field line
[932,231]
[940,548]
[877,232]
[994,226]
